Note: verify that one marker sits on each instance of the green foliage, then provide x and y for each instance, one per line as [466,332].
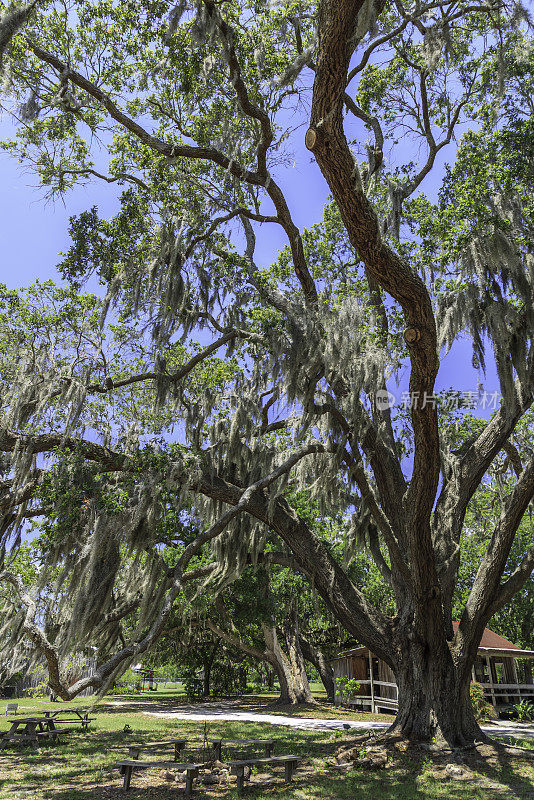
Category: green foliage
[481,708]
[348,687]
[194,687]
[524,711]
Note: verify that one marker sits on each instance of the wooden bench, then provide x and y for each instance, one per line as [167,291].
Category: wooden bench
[134,749]
[178,744]
[33,737]
[76,721]
[11,708]
[238,767]
[127,766]
[218,744]
[53,733]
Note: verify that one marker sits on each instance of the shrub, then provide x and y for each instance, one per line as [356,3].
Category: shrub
[481,708]
[524,711]
[348,687]
[40,690]
[121,688]
[193,686]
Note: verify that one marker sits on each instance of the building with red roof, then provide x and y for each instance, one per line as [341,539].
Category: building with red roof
[503,669]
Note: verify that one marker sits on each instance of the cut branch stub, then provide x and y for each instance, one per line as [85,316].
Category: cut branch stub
[312,138]
[412,335]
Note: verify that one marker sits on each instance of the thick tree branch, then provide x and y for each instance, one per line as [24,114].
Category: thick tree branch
[326,139]
[350,606]
[109,460]
[486,590]
[236,641]
[179,374]
[515,582]
[153,142]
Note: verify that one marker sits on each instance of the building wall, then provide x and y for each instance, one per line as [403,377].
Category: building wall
[515,676]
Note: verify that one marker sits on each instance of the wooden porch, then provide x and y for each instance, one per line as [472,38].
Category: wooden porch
[502,668]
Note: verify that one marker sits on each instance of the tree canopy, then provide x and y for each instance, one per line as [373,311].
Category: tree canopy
[241,355]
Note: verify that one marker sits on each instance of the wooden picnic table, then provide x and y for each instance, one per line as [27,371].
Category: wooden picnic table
[33,729]
[79,715]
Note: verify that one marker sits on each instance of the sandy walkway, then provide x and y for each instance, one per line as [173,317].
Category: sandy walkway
[231,711]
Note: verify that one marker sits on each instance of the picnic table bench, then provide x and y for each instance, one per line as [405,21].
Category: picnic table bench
[127,767]
[33,729]
[79,716]
[238,767]
[218,744]
[134,749]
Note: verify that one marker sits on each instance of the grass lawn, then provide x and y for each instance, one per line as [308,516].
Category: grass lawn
[82,767]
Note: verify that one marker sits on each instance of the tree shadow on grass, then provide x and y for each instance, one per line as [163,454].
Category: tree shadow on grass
[319,786]
[502,764]
[84,769]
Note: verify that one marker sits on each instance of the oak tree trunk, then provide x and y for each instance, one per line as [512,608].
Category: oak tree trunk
[270,678]
[291,673]
[318,659]
[434,701]
[296,659]
[208,664]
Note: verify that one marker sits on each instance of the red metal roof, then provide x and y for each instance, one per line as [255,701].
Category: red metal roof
[492,640]
[489,641]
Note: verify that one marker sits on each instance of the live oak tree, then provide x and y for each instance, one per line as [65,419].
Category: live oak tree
[264,616]
[200,112]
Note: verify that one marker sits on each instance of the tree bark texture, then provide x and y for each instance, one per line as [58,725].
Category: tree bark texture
[318,659]
[434,701]
[291,672]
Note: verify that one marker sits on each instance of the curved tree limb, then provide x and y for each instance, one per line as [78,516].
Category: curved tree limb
[486,591]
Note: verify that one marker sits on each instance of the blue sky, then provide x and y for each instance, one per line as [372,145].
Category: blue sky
[34,232]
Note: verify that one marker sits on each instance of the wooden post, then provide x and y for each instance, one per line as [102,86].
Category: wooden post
[127,777]
[240,774]
[492,690]
[289,769]
[189,778]
[516,678]
[371,678]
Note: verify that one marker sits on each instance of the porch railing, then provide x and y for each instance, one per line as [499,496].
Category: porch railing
[507,692]
[497,693]
[375,699]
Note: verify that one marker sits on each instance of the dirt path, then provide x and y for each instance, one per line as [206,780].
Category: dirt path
[232,711]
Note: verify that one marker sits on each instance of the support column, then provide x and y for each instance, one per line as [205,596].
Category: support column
[490,673]
[516,678]
[371,678]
